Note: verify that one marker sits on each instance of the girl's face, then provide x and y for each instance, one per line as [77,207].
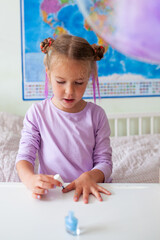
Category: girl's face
[69,80]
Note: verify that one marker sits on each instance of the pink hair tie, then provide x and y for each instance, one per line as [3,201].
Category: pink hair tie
[94,88]
[95,81]
[46,86]
[50,42]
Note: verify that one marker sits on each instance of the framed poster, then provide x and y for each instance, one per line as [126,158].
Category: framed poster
[119,75]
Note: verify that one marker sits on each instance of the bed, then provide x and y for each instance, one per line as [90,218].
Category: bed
[136,155]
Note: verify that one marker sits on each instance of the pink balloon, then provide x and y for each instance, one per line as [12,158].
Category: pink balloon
[130,26]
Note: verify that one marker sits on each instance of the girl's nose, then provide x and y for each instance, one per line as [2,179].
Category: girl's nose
[69,89]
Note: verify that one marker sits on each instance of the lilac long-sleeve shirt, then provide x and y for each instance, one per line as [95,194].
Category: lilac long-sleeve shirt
[67,143]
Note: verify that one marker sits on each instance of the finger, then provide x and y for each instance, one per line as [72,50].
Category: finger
[55,181]
[69,187]
[85,195]
[40,191]
[77,194]
[36,196]
[45,185]
[96,194]
[103,190]
[49,179]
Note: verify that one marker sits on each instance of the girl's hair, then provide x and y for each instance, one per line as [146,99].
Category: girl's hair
[76,48]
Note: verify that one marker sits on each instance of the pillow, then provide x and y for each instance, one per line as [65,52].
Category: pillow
[10,132]
[136,159]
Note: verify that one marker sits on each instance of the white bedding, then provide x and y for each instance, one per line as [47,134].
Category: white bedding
[135,159]
[10,131]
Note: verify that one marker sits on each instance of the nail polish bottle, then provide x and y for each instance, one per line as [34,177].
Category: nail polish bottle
[71,223]
[58,177]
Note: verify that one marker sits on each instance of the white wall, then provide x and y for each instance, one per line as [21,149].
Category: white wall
[10,70]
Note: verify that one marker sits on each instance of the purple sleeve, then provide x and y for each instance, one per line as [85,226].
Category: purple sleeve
[30,138]
[102,155]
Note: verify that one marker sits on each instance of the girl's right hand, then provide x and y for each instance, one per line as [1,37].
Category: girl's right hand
[39,184]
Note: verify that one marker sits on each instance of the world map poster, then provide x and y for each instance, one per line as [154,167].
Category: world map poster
[119,75]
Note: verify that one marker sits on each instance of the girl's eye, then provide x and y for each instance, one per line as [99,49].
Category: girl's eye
[60,82]
[79,83]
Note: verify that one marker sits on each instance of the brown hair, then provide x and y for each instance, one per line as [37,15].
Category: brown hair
[72,47]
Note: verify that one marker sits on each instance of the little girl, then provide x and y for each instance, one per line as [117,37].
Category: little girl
[70,134]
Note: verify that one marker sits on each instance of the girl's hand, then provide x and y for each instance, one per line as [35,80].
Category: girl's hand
[86,184]
[39,184]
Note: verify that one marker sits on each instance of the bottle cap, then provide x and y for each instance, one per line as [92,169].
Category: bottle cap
[58,177]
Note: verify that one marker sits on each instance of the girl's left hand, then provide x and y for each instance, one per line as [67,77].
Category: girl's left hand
[86,185]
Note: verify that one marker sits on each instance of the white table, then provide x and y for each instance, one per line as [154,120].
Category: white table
[132,212]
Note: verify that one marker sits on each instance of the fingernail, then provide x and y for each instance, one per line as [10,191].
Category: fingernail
[54,186]
[38,196]
[75,198]
[46,191]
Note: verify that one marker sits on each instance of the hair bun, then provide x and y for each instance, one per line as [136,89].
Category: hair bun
[98,52]
[45,44]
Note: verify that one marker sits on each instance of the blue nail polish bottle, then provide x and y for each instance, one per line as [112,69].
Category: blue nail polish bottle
[71,223]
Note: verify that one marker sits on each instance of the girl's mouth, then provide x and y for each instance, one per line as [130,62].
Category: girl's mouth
[68,100]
